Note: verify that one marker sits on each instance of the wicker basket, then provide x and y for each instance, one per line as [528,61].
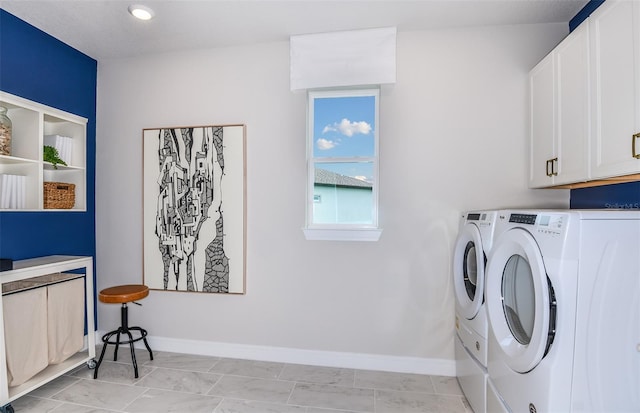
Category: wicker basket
[59,195]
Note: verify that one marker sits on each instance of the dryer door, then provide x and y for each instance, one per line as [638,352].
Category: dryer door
[520,300]
[468,271]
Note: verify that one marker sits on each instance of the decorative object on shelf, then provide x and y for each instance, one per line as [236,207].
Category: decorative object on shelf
[12,191]
[59,195]
[36,126]
[5,132]
[194,209]
[62,144]
[50,154]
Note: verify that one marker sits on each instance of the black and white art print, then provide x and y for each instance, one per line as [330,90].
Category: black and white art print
[194,209]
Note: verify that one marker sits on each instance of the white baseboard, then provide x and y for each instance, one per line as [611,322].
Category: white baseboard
[418,365]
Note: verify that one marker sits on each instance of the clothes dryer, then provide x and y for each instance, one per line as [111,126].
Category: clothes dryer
[606,372]
[473,243]
[556,281]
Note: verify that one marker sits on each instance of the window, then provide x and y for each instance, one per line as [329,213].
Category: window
[342,156]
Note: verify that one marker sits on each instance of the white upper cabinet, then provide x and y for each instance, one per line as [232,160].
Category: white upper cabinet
[585,103]
[542,125]
[616,89]
[559,117]
[26,168]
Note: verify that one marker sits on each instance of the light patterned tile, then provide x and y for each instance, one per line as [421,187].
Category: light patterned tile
[99,394]
[246,406]
[383,380]
[467,406]
[27,404]
[332,397]
[191,362]
[179,380]
[252,388]
[76,408]
[446,385]
[388,401]
[318,374]
[250,368]
[162,401]
[54,386]
[114,372]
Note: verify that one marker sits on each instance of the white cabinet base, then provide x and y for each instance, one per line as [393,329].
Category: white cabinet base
[36,267]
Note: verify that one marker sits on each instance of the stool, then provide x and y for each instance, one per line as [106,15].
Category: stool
[123,294]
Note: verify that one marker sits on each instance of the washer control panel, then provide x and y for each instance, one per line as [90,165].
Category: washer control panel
[528,219]
[551,224]
[544,223]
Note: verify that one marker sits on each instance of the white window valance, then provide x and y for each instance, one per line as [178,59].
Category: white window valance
[347,58]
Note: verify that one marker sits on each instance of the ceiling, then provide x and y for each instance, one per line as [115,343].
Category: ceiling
[104,29]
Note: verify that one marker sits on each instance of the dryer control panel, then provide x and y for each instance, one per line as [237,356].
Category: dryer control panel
[545,223]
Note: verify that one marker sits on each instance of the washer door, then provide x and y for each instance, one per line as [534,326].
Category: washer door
[520,300]
[468,271]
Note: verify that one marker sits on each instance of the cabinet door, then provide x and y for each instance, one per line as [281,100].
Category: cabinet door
[572,94]
[542,122]
[615,28]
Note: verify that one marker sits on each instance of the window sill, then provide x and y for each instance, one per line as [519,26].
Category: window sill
[314,234]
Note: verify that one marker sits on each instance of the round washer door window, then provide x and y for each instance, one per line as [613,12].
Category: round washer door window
[469,271]
[519,300]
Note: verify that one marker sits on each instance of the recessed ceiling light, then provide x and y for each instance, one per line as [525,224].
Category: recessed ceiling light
[141,12]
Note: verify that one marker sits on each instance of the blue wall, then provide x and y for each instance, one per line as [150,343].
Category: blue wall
[625,196]
[40,68]
[584,13]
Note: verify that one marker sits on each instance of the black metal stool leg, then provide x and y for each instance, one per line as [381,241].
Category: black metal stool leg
[104,349]
[117,343]
[144,340]
[120,332]
[133,355]
[143,334]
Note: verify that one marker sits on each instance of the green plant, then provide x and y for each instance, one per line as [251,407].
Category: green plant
[50,154]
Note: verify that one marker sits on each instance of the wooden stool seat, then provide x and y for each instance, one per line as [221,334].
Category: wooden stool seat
[123,293]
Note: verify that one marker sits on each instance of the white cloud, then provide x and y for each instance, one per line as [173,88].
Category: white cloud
[329,128]
[348,128]
[325,144]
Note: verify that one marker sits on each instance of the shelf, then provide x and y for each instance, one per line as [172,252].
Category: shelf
[47,271]
[51,372]
[31,122]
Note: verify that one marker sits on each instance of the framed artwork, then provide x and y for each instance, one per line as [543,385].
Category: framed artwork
[194,201]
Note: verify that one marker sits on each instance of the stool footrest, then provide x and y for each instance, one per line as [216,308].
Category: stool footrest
[106,338]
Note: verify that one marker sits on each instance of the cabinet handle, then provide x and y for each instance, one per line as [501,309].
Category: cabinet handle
[634,138]
[549,163]
[554,167]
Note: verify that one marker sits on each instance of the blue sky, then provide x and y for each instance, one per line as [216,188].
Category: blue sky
[344,127]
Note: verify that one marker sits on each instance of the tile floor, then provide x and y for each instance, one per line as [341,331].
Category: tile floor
[183,383]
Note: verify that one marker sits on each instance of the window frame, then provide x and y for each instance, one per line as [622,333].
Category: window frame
[338,231]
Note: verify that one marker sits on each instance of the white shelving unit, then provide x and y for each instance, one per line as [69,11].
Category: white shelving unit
[31,121]
[36,267]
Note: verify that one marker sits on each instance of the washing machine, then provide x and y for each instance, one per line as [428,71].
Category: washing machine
[474,241]
[563,304]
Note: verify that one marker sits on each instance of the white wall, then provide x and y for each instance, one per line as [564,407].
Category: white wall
[452,138]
